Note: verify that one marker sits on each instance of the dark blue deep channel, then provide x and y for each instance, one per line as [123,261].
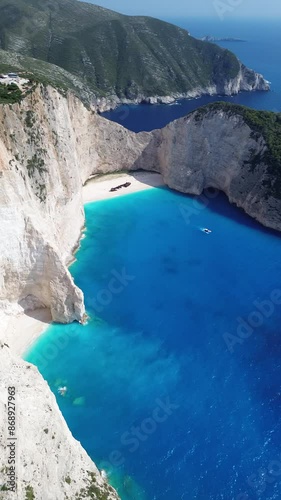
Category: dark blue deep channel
[173,387]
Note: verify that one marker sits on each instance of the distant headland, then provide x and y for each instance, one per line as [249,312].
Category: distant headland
[210,38]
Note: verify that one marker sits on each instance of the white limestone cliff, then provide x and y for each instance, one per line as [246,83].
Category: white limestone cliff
[49,146]
[215,150]
[50,464]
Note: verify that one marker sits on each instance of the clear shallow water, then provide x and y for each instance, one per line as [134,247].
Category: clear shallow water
[157,336]
[261,51]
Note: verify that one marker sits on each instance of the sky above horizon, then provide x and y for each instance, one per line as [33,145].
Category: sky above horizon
[221,9]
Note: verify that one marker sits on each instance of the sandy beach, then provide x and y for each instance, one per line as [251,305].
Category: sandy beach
[98,187]
[20,330]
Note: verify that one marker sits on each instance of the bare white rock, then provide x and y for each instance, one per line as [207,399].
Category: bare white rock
[50,463]
[49,146]
[215,151]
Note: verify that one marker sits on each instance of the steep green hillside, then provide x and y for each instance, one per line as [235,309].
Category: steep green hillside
[43,72]
[111,52]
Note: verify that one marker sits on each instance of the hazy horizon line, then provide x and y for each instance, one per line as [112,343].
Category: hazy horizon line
[213,16]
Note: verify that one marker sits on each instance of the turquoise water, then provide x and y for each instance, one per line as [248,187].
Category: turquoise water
[174,384]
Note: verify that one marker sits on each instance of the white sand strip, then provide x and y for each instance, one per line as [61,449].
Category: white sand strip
[98,188]
[21,330]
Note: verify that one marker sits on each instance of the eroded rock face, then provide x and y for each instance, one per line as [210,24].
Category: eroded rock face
[49,146]
[215,150]
[246,80]
[50,463]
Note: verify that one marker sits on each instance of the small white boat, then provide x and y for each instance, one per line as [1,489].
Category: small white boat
[206,230]
[62,390]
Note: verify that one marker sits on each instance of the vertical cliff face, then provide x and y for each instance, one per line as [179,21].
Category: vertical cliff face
[38,200]
[49,462]
[245,80]
[49,146]
[215,149]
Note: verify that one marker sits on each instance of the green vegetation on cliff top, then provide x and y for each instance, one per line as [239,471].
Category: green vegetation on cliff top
[43,72]
[265,123]
[9,94]
[110,53]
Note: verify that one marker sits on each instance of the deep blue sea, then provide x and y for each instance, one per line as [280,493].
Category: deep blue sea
[166,390]
[261,52]
[174,385]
